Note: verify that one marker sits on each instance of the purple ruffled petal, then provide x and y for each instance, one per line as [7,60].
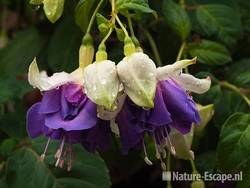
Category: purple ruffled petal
[84,120]
[157,116]
[131,134]
[51,101]
[98,137]
[35,121]
[183,126]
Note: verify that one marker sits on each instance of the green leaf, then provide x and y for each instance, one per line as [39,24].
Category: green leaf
[12,88]
[209,52]
[16,57]
[7,146]
[63,46]
[25,169]
[83,12]
[137,5]
[13,124]
[177,18]
[220,21]
[233,148]
[53,9]
[103,24]
[244,79]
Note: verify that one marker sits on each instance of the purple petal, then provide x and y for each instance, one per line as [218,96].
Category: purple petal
[73,93]
[183,126]
[71,137]
[130,134]
[35,121]
[86,119]
[178,102]
[51,101]
[99,137]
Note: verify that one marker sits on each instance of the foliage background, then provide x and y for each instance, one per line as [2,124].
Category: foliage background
[217,32]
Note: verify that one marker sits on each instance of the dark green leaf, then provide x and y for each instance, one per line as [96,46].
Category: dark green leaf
[233,149]
[209,52]
[13,124]
[63,47]
[83,13]
[139,5]
[221,21]
[177,18]
[25,169]
[16,57]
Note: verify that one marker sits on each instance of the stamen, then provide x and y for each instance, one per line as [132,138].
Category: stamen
[157,153]
[42,157]
[70,157]
[146,159]
[60,152]
[172,149]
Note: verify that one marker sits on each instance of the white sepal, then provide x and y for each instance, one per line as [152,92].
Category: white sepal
[137,72]
[190,83]
[43,82]
[168,71]
[101,83]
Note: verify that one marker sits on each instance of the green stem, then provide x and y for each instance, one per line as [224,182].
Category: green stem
[154,47]
[232,87]
[121,25]
[180,53]
[193,167]
[169,168]
[107,36]
[130,24]
[93,16]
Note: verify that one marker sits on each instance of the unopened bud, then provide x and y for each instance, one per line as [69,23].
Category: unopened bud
[86,51]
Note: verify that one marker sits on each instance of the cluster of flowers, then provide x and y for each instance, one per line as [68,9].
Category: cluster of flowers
[132,99]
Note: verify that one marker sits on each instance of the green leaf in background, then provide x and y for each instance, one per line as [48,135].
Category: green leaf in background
[83,12]
[244,79]
[238,73]
[13,124]
[63,46]
[210,52]
[16,57]
[138,5]
[206,161]
[221,21]
[177,18]
[25,169]
[12,88]
[233,148]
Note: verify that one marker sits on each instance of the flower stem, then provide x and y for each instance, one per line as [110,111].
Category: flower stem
[232,87]
[193,167]
[169,168]
[121,25]
[107,36]
[153,46]
[180,53]
[93,16]
[130,24]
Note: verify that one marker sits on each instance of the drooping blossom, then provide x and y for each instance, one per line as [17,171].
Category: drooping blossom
[173,108]
[65,113]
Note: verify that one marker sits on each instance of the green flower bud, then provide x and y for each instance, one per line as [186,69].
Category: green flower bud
[53,9]
[137,72]
[198,184]
[86,51]
[129,47]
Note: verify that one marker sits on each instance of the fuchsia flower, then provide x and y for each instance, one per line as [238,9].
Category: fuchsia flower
[172,105]
[66,114]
